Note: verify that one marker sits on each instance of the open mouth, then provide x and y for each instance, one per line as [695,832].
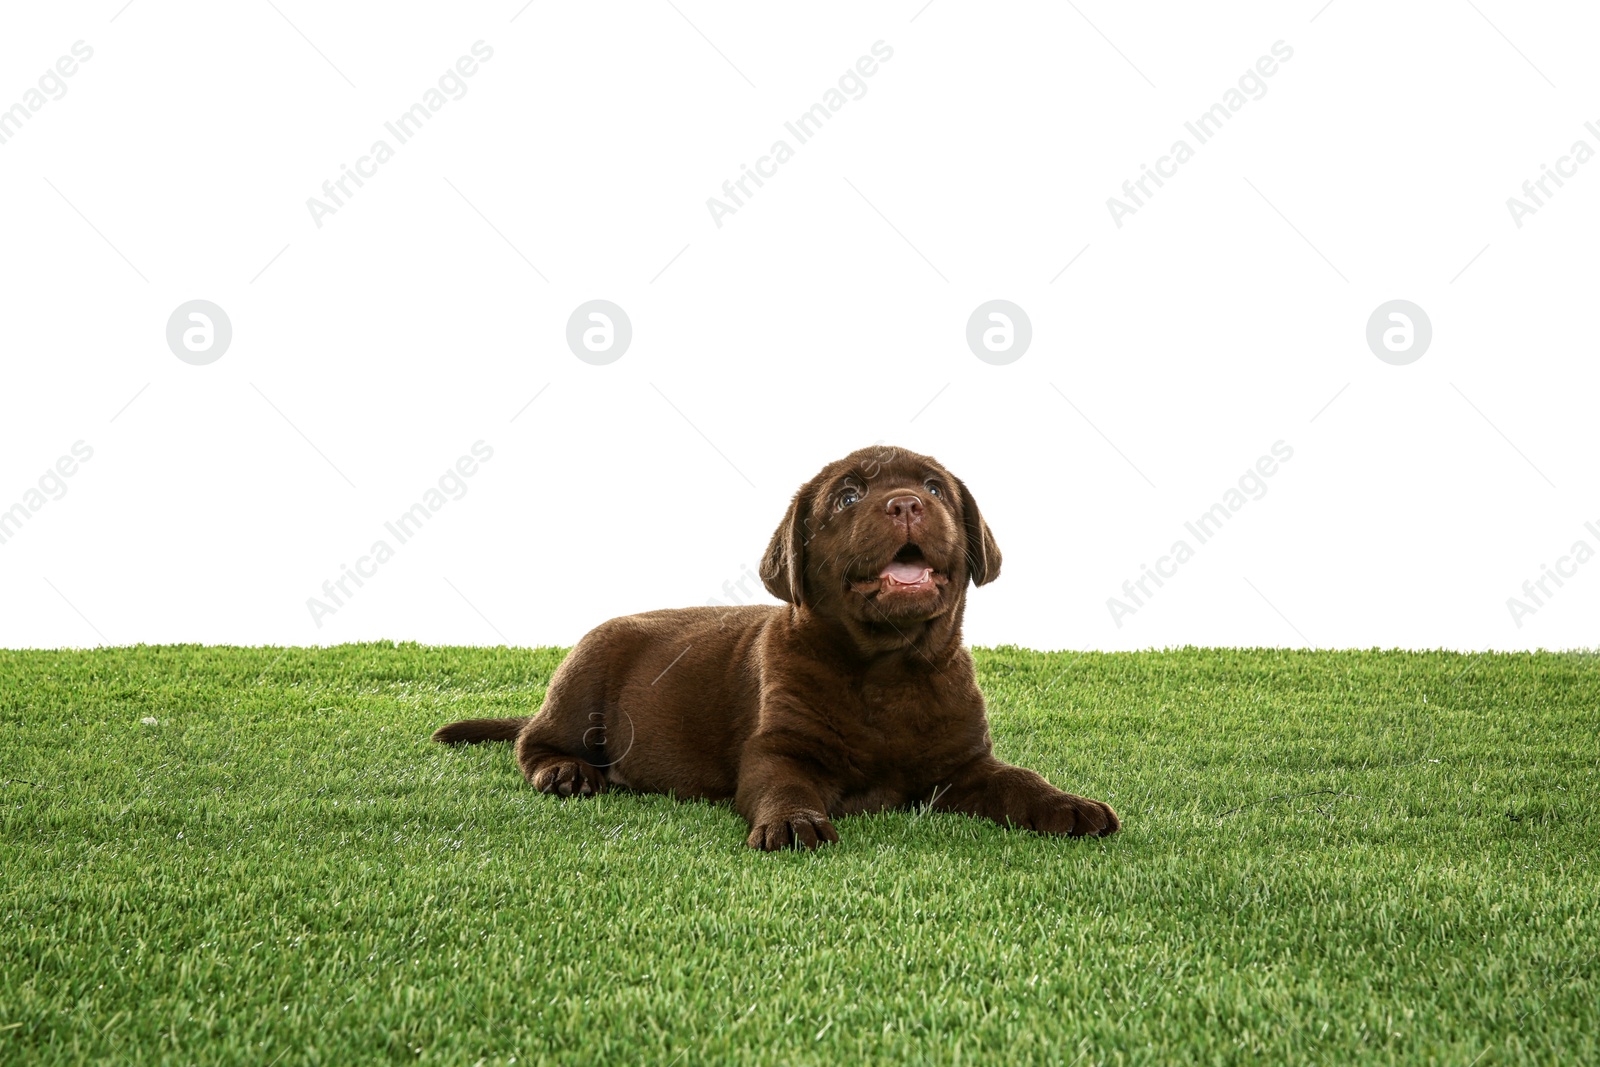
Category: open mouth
[908,574]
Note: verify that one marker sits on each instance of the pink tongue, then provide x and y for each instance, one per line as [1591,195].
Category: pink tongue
[907,573]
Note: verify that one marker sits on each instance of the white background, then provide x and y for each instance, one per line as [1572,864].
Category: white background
[828,313]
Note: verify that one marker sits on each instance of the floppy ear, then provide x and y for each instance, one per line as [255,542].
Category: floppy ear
[783,568]
[983,555]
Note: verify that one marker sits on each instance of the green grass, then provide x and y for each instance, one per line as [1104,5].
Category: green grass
[1327,858]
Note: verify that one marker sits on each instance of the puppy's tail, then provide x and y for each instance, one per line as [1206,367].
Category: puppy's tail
[471,731]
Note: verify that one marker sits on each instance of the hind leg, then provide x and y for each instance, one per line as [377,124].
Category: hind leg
[559,748]
[565,776]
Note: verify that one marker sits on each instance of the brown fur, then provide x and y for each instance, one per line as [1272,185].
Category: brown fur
[855,696]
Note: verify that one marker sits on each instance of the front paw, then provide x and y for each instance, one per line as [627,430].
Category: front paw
[792,829]
[1078,816]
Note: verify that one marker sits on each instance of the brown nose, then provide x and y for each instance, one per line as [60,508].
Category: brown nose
[906,509]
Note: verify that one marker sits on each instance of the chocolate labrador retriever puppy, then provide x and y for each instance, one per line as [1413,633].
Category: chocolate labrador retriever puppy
[854,696]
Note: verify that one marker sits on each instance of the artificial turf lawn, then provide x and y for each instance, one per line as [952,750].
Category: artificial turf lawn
[1327,857]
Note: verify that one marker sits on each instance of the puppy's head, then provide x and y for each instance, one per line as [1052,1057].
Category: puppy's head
[881,536]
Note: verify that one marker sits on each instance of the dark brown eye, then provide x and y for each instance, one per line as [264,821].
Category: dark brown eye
[849,495]
[933,488]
